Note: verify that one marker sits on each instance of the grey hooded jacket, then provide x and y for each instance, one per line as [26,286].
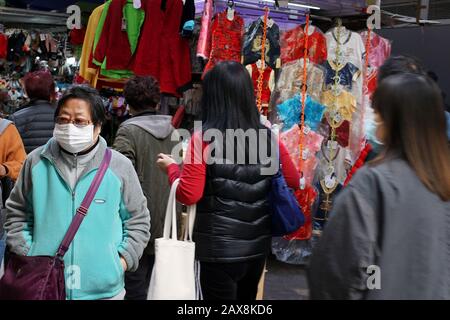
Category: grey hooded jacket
[141,139]
[387,218]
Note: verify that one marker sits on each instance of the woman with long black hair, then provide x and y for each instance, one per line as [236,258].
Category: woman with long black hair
[388,236]
[232,231]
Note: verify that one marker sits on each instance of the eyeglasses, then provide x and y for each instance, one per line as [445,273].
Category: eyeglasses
[77,122]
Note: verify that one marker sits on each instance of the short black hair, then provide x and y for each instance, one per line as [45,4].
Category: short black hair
[89,95]
[142,93]
[398,65]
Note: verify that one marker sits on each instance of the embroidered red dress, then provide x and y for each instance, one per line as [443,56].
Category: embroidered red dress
[268,84]
[226,40]
[293,45]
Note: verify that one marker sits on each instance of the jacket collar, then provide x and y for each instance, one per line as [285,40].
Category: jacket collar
[53,153]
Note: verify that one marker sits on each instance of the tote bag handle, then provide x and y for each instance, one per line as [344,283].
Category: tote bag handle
[171,216]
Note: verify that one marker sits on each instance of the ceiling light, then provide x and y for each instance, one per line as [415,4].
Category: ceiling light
[296,5]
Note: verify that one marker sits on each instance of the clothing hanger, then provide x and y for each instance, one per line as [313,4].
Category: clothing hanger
[230,10]
[137,4]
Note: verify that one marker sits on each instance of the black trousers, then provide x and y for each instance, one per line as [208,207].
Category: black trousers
[231,281]
[138,282]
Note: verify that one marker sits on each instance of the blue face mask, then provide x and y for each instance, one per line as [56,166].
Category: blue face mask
[371,129]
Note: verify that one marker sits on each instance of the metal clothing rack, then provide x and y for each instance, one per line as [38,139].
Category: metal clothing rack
[24,16]
[289,13]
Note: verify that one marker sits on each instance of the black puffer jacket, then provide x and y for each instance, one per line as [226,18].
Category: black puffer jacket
[35,124]
[233,222]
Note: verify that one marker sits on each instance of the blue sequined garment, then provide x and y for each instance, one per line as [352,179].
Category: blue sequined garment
[346,75]
[289,112]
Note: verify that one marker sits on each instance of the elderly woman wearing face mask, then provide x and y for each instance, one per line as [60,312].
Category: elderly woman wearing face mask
[55,179]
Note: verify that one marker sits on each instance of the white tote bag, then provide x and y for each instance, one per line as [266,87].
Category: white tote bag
[175,273]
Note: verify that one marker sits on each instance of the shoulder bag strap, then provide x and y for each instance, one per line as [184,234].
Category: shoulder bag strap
[84,207]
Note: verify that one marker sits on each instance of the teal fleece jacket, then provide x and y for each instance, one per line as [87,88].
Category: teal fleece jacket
[42,205]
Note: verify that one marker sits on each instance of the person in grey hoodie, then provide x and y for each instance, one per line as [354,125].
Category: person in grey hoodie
[141,139]
[388,234]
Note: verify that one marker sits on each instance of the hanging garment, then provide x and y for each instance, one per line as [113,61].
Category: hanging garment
[346,74]
[162,53]
[342,132]
[187,19]
[380,48]
[351,47]
[333,160]
[175,61]
[77,36]
[268,81]
[325,205]
[86,72]
[372,81]
[226,40]
[119,36]
[148,51]
[306,199]
[290,111]
[291,79]
[341,102]
[293,45]
[15,46]
[108,76]
[197,65]
[307,162]
[3,46]
[253,43]
[204,40]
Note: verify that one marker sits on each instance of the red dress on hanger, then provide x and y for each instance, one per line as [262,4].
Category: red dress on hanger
[175,55]
[293,45]
[265,97]
[3,46]
[226,40]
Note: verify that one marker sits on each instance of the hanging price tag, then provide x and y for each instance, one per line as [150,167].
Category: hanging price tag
[302,183]
[305,154]
[230,14]
[42,36]
[137,4]
[330,182]
[270,23]
[306,130]
[278,64]
[337,118]
[332,144]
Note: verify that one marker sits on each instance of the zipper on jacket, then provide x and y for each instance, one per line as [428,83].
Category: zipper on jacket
[72,192]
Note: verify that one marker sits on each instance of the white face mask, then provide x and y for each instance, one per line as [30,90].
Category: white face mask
[72,138]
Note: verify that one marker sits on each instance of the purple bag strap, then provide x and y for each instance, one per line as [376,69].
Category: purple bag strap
[84,207]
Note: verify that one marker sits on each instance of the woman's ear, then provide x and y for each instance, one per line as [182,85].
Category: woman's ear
[97,130]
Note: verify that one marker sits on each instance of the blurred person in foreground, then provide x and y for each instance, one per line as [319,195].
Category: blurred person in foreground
[395,213]
[392,66]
